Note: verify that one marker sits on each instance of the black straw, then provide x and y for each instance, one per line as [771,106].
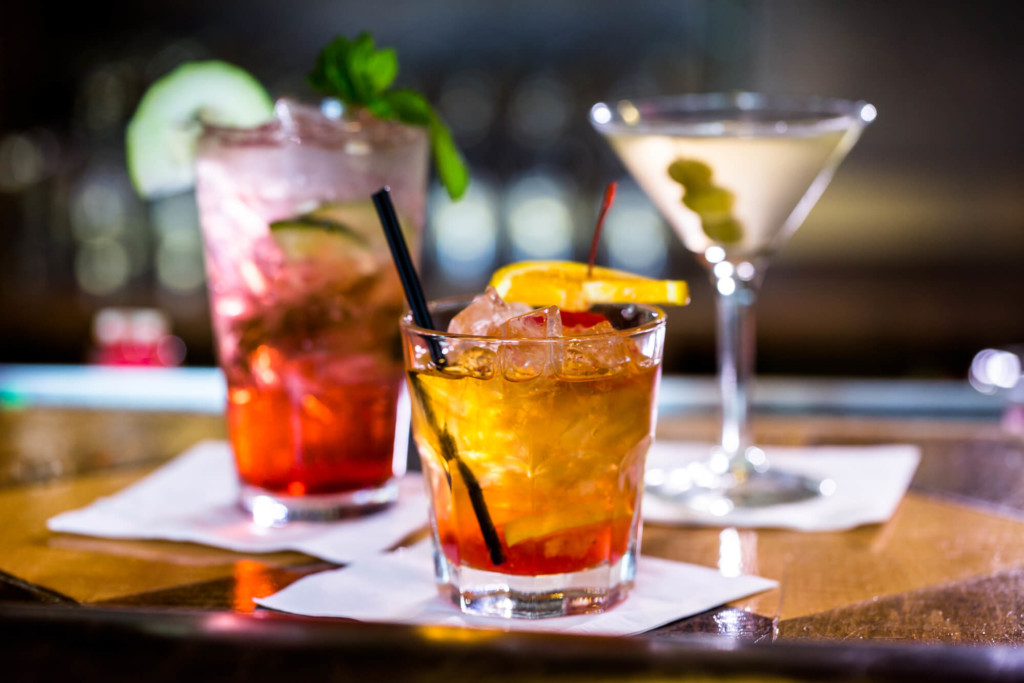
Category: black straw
[476,495]
[406,270]
[421,316]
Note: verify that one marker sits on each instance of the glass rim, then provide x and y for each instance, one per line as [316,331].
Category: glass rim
[277,130]
[406,324]
[792,114]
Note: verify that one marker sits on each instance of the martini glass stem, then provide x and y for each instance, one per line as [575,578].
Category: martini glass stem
[735,302]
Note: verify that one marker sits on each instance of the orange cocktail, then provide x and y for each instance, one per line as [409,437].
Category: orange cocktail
[533,439]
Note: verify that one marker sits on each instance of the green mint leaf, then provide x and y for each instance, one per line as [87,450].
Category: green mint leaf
[372,70]
[451,169]
[317,78]
[358,74]
[354,71]
[381,69]
[381,108]
[357,60]
[410,107]
[330,75]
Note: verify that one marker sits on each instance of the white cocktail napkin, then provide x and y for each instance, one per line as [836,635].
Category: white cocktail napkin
[864,485]
[194,498]
[399,588]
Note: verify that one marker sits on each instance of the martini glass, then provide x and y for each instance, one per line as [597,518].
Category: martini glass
[735,175]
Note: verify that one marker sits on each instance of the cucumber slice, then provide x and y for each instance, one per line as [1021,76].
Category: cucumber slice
[161,137]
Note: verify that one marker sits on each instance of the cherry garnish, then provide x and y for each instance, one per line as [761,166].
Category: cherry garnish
[609,199]
[581,318]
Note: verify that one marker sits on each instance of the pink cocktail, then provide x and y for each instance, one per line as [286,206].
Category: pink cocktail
[305,299]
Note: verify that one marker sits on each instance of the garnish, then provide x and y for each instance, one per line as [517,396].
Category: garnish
[161,138]
[566,284]
[575,287]
[606,203]
[581,319]
[711,202]
[360,75]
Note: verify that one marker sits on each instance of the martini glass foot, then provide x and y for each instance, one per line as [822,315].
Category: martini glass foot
[762,489]
[700,487]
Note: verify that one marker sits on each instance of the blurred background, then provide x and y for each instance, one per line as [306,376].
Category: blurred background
[909,265]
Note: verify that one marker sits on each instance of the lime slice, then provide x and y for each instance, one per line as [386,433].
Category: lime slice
[358,218]
[566,284]
[331,249]
[294,235]
[162,134]
[315,241]
[355,221]
[327,254]
[343,241]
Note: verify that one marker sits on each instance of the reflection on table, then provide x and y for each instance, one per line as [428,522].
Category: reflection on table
[948,568]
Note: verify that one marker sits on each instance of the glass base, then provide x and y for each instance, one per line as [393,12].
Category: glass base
[698,488]
[269,508]
[493,594]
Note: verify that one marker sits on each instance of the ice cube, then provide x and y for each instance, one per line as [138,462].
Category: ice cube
[539,324]
[603,327]
[472,360]
[574,323]
[485,315]
[267,365]
[527,359]
[597,351]
[314,408]
[357,128]
[417,350]
[646,349]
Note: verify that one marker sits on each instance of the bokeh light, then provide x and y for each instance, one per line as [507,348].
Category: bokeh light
[465,233]
[539,218]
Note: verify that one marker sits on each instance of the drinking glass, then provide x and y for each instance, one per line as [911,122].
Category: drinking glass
[533,450]
[304,299]
[735,175]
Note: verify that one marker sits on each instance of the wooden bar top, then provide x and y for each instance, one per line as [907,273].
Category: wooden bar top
[947,569]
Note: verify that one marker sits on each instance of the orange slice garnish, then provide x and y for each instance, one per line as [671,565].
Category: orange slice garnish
[566,284]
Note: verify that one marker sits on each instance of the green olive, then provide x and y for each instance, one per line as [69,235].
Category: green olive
[710,202]
[726,231]
[690,173]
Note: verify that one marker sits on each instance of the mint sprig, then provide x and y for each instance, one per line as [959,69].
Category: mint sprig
[358,74]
